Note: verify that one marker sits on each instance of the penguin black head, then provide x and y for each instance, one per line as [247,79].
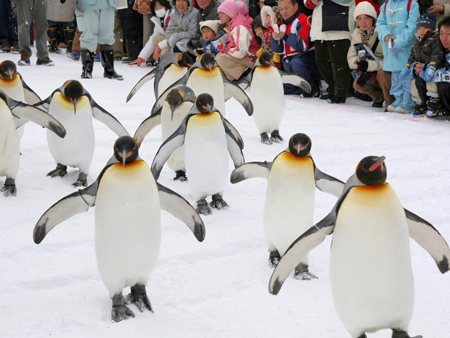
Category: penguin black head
[126,149]
[184,60]
[8,70]
[208,61]
[73,90]
[265,59]
[174,99]
[204,103]
[371,170]
[300,144]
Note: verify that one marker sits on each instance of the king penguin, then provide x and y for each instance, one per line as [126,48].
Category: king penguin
[292,178]
[205,77]
[207,140]
[127,224]
[174,109]
[12,83]
[170,68]
[74,107]
[12,115]
[370,261]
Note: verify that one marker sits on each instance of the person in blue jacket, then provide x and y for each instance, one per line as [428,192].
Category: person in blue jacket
[396,26]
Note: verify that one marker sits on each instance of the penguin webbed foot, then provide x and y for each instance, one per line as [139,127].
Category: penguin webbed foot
[81,181]
[138,297]
[9,188]
[202,208]
[275,137]
[274,258]
[61,171]
[265,139]
[302,273]
[218,202]
[119,310]
[180,175]
[402,334]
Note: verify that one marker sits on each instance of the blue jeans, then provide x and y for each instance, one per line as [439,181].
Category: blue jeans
[304,65]
[399,87]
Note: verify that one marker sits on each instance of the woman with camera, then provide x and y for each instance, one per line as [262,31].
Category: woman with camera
[365,57]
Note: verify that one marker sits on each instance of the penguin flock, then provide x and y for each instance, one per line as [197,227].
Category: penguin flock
[370,262]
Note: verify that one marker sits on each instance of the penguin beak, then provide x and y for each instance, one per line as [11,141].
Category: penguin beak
[74,102]
[299,148]
[378,163]
[125,155]
[210,107]
[172,112]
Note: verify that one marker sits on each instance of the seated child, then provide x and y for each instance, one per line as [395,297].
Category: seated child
[263,31]
[214,41]
[426,56]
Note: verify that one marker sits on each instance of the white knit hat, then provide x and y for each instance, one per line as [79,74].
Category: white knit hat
[365,8]
[212,24]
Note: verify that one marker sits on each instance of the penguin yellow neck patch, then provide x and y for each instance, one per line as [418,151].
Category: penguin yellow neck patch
[7,80]
[287,156]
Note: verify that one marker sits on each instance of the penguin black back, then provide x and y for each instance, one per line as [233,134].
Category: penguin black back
[371,170]
[300,144]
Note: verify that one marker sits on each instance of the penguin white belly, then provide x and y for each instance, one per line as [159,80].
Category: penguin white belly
[77,148]
[9,143]
[172,74]
[266,92]
[289,204]
[206,154]
[168,127]
[14,89]
[370,265]
[203,81]
[127,226]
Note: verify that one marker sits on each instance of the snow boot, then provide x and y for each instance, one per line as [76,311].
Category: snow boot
[407,106]
[433,105]
[52,35]
[107,60]
[419,110]
[87,59]
[393,106]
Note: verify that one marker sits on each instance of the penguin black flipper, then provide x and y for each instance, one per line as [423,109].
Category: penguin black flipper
[430,239]
[150,75]
[106,118]
[181,209]
[231,90]
[299,249]
[327,183]
[172,143]
[30,96]
[251,170]
[65,208]
[24,113]
[295,80]
[146,126]
[234,147]
[235,133]
[45,104]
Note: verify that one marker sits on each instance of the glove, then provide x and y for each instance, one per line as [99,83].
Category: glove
[404,74]
[395,49]
[362,65]
[77,5]
[429,73]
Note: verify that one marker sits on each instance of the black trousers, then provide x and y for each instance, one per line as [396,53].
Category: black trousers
[444,94]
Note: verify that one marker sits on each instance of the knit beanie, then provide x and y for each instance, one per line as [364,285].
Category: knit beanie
[243,8]
[212,24]
[426,20]
[365,8]
[229,7]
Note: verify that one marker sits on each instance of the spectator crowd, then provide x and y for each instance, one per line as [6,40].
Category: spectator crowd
[393,53]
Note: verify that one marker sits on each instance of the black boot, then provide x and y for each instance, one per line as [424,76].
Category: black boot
[107,59]
[52,35]
[87,59]
[69,34]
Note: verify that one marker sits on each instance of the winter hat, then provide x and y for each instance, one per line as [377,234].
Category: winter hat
[426,20]
[212,24]
[229,7]
[243,8]
[365,8]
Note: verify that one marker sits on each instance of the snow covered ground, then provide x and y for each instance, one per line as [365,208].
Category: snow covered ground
[217,288]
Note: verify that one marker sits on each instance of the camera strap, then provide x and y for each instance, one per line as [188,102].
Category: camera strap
[371,52]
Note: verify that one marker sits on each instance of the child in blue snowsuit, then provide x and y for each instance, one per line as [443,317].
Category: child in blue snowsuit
[396,26]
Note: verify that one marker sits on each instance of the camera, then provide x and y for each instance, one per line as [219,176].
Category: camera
[362,54]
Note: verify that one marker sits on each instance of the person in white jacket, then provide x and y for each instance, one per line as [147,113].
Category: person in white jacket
[161,19]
